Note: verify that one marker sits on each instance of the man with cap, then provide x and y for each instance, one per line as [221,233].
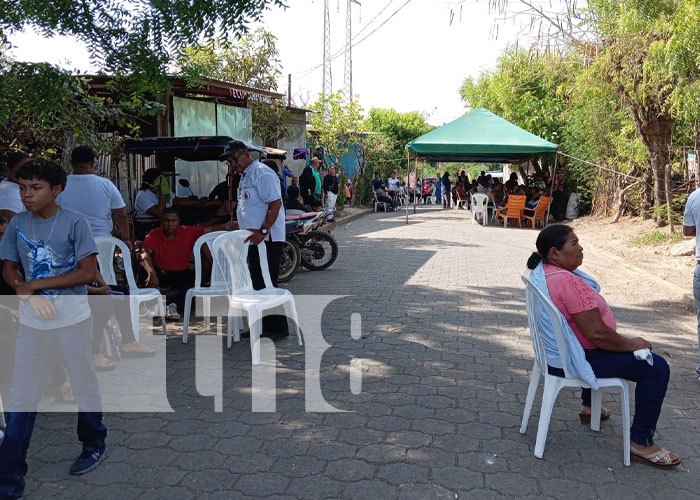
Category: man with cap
[260,211]
[315,166]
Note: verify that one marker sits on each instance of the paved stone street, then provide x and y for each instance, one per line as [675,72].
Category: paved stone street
[446,360]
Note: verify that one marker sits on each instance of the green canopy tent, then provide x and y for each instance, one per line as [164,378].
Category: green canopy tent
[479,136]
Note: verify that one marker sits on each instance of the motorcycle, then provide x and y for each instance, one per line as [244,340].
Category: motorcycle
[316,249]
[291,253]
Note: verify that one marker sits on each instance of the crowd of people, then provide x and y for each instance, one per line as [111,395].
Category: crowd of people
[51,279]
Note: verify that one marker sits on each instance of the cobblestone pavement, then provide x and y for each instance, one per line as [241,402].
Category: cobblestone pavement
[446,360]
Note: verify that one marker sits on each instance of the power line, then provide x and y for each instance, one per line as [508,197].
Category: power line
[307,72]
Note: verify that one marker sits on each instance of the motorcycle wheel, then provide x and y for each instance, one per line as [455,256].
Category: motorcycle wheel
[291,258]
[319,251]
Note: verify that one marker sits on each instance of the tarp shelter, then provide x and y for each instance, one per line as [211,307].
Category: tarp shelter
[191,149]
[479,136]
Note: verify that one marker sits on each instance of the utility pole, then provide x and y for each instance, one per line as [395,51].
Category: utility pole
[347,84]
[327,79]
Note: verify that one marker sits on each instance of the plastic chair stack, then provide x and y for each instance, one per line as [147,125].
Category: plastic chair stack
[536,303]
[217,286]
[242,297]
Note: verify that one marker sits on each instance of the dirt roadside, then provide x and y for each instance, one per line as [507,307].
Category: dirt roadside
[638,275]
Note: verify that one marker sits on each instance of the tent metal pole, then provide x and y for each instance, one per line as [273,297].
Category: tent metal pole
[551,188]
[419,185]
[408,178]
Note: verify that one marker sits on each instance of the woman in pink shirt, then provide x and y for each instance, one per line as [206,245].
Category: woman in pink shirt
[609,353]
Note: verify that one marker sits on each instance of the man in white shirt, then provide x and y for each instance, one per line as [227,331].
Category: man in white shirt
[10,201]
[97,198]
[260,211]
[691,220]
[101,203]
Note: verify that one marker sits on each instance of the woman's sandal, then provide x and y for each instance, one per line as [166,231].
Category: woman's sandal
[586,419]
[661,459]
[103,364]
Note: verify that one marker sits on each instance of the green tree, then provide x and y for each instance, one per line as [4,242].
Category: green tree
[43,109]
[644,52]
[338,125]
[254,61]
[134,37]
[389,132]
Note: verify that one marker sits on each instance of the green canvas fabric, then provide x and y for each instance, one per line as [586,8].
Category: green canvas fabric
[479,136]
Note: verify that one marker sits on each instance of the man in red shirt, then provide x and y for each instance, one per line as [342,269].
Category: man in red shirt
[166,256]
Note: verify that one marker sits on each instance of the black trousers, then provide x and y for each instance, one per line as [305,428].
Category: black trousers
[275,324]
[103,307]
[181,281]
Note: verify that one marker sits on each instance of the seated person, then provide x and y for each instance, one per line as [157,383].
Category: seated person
[377,183]
[166,256]
[461,194]
[497,194]
[295,201]
[383,197]
[154,196]
[589,319]
[103,306]
[511,183]
[220,191]
[393,185]
[539,183]
[533,197]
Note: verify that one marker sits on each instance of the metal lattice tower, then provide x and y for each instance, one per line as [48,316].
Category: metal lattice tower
[347,83]
[327,78]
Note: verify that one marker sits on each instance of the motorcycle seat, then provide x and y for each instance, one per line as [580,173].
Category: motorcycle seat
[290,226]
[308,215]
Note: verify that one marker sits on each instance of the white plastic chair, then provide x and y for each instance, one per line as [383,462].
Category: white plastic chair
[2,418]
[105,259]
[217,286]
[536,303]
[377,203]
[242,296]
[480,203]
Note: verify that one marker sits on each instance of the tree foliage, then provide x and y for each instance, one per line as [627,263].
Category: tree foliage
[338,125]
[134,37]
[43,109]
[390,131]
[625,72]
[254,61]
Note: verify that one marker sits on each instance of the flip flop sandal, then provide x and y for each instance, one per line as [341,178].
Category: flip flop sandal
[61,397]
[586,419]
[138,354]
[107,365]
[661,459]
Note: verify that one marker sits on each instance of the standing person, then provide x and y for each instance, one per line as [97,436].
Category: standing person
[307,186]
[10,200]
[438,188]
[102,204]
[315,166]
[286,173]
[691,221]
[57,251]
[260,211]
[330,190]
[95,197]
[447,190]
